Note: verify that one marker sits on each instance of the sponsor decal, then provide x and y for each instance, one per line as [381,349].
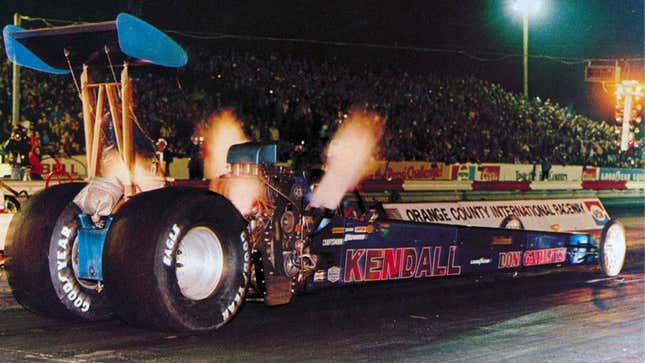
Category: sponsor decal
[490,172]
[622,174]
[355,237]
[481,261]
[333,274]
[376,264]
[71,165]
[544,256]
[170,244]
[502,240]
[364,229]
[385,229]
[598,213]
[463,172]
[71,288]
[332,242]
[509,259]
[320,275]
[589,174]
[338,230]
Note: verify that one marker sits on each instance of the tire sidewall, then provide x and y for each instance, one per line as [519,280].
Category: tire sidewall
[225,301]
[83,302]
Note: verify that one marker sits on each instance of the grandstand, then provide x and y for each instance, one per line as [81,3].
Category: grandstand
[429,117]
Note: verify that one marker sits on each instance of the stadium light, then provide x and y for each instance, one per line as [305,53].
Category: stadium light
[628,93]
[526,7]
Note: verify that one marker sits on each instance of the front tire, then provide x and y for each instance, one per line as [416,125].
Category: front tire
[612,248]
[40,247]
[177,259]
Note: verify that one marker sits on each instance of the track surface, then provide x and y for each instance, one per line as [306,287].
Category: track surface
[570,315]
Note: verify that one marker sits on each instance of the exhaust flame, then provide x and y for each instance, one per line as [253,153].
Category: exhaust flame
[144,176]
[244,192]
[111,165]
[349,157]
[224,130]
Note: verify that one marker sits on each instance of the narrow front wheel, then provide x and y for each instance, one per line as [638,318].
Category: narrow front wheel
[612,248]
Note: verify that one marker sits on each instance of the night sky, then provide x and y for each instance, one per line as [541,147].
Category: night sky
[488,31]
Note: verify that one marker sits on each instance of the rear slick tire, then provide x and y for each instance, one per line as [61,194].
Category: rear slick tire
[177,259]
[40,247]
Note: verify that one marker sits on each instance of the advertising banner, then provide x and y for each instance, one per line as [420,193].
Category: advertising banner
[410,170]
[463,172]
[565,173]
[75,165]
[622,174]
[489,172]
[520,172]
[589,174]
[532,172]
[560,215]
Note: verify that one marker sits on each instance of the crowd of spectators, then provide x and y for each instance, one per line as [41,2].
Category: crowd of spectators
[300,102]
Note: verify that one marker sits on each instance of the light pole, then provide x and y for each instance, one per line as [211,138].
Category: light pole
[628,93]
[15,93]
[525,7]
[525,53]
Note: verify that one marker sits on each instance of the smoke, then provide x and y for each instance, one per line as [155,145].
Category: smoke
[350,156]
[224,130]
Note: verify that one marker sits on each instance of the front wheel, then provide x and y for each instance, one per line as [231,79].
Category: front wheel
[177,259]
[612,248]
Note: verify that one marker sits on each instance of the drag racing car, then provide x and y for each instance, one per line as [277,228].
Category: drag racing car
[163,255]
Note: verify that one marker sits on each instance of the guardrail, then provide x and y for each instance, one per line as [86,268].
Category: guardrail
[610,192]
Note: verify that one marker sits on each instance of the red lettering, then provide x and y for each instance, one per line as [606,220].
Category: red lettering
[373,265]
[437,268]
[452,268]
[560,255]
[353,269]
[509,259]
[545,256]
[425,263]
[409,262]
[392,264]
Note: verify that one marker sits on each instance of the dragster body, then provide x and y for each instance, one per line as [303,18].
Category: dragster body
[352,251]
[185,258]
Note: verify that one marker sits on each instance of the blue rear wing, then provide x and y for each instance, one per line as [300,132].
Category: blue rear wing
[44,49]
